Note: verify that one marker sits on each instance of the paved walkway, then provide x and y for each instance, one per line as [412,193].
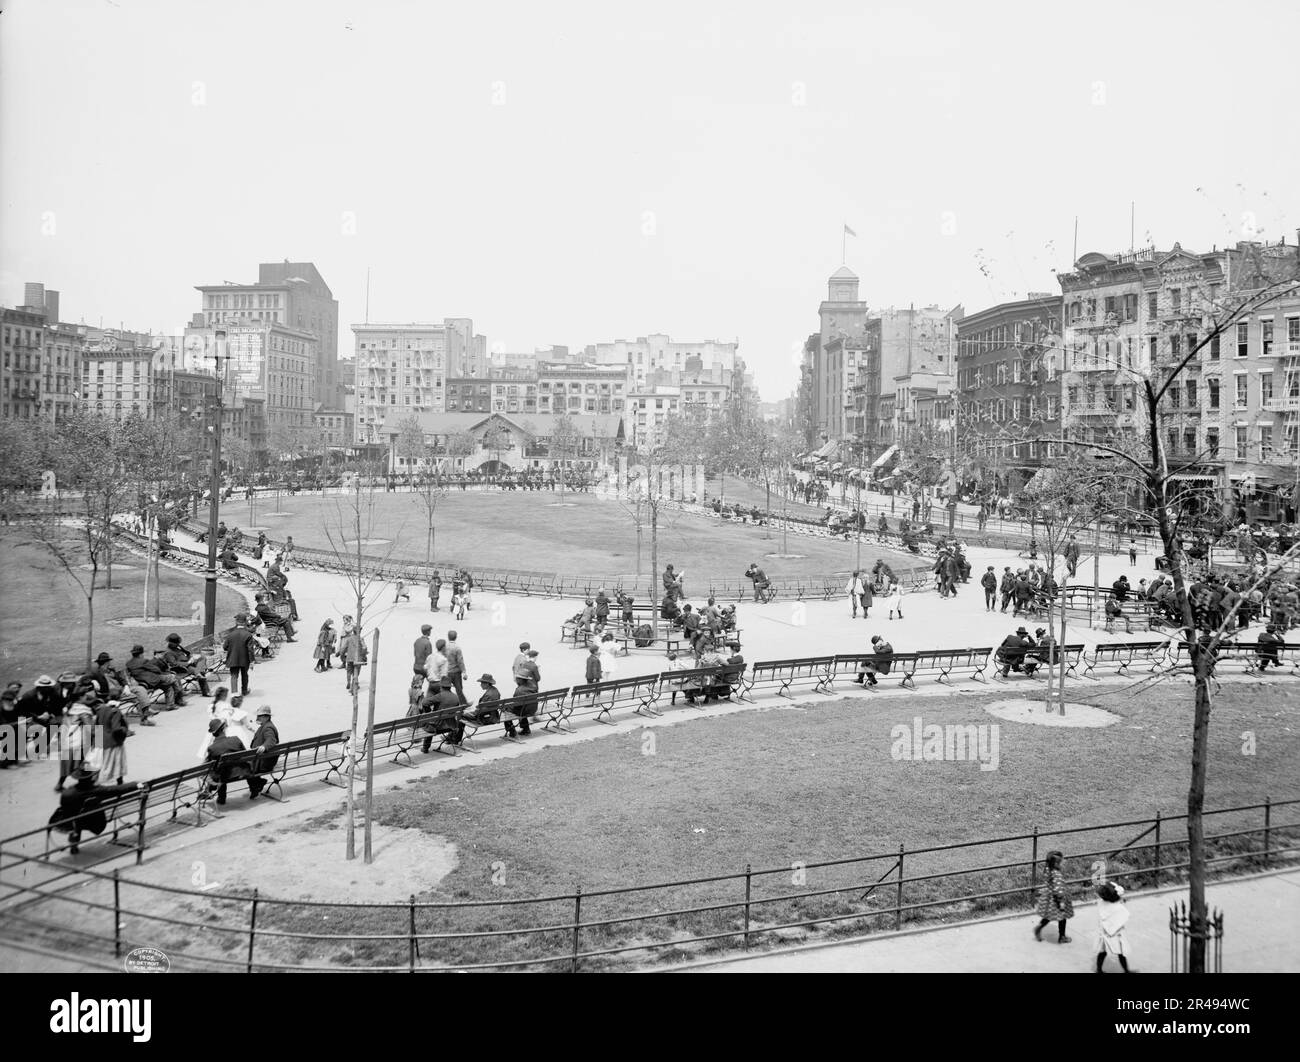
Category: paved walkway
[1261,929]
[306,703]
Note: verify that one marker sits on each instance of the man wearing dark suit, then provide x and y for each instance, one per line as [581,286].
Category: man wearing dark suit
[266,740]
[267,614]
[150,675]
[82,807]
[221,745]
[423,649]
[180,661]
[238,648]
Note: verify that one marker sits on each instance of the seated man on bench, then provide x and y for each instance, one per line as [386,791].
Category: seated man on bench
[444,701]
[222,776]
[1011,654]
[267,614]
[1269,643]
[732,670]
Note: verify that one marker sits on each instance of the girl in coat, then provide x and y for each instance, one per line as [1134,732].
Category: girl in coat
[1112,917]
[896,600]
[1054,903]
[324,646]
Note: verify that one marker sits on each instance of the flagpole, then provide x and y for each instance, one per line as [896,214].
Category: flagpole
[844,241]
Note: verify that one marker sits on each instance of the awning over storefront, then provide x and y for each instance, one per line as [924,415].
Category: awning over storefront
[826,450]
[837,466]
[879,461]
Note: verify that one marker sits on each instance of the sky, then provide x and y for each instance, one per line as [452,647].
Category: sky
[574,173]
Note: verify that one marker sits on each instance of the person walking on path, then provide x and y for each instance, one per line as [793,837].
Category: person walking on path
[423,648]
[1112,917]
[238,647]
[456,666]
[401,593]
[854,589]
[1054,903]
[1007,587]
[989,581]
[896,600]
[324,646]
[435,589]
[355,654]
[1072,557]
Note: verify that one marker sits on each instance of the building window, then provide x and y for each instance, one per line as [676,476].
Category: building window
[1153,304]
[1214,347]
[1212,442]
[1214,394]
[1191,393]
[1265,389]
[1175,300]
[1243,339]
[1266,337]
[1240,442]
[1242,383]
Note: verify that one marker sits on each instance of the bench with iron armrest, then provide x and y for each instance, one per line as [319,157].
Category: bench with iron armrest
[1125,654]
[133,803]
[183,790]
[942,662]
[695,682]
[1250,654]
[240,766]
[820,670]
[554,704]
[437,727]
[1071,654]
[603,697]
[862,664]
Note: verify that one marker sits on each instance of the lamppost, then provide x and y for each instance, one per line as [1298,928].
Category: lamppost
[220,356]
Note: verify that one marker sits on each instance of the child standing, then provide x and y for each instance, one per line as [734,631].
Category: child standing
[1132,553]
[1054,903]
[1112,917]
[402,592]
[896,600]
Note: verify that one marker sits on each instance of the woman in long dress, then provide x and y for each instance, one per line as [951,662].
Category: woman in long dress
[324,646]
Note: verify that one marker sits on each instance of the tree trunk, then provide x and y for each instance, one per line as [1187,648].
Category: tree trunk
[370,743]
[90,619]
[1195,820]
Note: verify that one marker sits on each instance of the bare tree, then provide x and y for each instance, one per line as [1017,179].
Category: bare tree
[356,518]
[90,461]
[1260,276]
[564,445]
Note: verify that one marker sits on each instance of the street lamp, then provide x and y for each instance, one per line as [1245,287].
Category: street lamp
[214,490]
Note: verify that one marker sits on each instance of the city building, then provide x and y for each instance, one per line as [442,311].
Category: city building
[1009,388]
[647,412]
[295,296]
[268,361]
[492,442]
[658,360]
[333,429]
[843,316]
[402,369]
[21,359]
[118,374]
[584,387]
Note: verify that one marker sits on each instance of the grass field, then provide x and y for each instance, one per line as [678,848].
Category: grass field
[534,531]
[43,623]
[797,785]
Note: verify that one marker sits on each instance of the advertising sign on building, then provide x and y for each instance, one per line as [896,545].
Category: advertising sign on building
[247,365]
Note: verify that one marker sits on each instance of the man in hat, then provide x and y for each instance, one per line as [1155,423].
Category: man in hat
[180,661]
[221,745]
[1011,653]
[238,647]
[1007,587]
[1044,651]
[82,807]
[1269,642]
[267,614]
[266,740]
[528,678]
[485,711]
[43,703]
[442,699]
[435,590]
[989,581]
[151,675]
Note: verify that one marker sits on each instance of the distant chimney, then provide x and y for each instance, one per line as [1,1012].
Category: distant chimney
[34,296]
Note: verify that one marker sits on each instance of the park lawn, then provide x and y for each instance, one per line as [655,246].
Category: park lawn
[801,784]
[532,531]
[43,623]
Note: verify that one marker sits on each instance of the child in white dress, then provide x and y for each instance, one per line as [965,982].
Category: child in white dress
[1112,917]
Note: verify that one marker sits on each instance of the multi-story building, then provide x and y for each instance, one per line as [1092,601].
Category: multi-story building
[659,356]
[21,358]
[843,315]
[1009,387]
[851,368]
[117,376]
[333,428]
[1256,405]
[268,361]
[61,364]
[648,410]
[402,369]
[291,294]
[566,387]
[467,353]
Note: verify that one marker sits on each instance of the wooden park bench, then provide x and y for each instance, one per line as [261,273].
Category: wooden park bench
[603,697]
[1124,654]
[942,662]
[820,670]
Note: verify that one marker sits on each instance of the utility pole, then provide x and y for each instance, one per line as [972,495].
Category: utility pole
[214,491]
